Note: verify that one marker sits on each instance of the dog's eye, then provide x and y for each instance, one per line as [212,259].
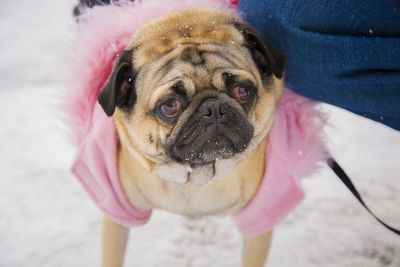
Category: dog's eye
[242,94]
[171,108]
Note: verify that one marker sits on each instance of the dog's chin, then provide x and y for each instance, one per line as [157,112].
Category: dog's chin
[217,148]
[200,174]
[211,145]
[211,155]
[209,142]
[205,152]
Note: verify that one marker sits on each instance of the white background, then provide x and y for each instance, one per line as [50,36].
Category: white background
[46,219]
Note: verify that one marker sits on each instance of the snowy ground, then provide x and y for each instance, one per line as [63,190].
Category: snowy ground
[47,220]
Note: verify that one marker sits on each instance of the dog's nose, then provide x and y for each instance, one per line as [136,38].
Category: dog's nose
[213,109]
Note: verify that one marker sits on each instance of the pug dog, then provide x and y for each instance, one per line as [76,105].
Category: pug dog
[193,97]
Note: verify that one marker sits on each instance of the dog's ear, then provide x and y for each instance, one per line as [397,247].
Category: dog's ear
[268,59]
[120,88]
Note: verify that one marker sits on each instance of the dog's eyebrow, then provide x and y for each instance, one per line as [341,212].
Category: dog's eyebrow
[179,89]
[125,56]
[229,79]
[193,56]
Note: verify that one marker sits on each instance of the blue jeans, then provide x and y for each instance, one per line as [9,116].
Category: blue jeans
[342,52]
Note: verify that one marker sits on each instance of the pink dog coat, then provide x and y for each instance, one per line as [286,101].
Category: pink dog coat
[294,145]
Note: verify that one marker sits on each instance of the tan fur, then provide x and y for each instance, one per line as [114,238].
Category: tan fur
[197,46]
[256,250]
[217,197]
[115,238]
[196,26]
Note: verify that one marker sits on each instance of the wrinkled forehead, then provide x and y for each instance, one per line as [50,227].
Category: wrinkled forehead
[195,68]
[199,26]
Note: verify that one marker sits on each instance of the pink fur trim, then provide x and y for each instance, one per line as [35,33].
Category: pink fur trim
[303,145]
[105,33]
[295,146]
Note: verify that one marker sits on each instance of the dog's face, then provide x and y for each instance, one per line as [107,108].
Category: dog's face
[194,92]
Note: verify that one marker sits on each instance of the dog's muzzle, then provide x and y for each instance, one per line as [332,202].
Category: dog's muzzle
[214,131]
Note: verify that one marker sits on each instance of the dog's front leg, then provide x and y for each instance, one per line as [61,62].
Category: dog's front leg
[114,240]
[256,250]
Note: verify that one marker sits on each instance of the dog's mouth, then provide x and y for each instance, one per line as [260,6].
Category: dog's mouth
[213,132]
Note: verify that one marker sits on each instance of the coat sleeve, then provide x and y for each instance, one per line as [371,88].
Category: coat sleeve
[345,53]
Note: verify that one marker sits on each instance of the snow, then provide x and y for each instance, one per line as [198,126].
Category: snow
[47,220]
